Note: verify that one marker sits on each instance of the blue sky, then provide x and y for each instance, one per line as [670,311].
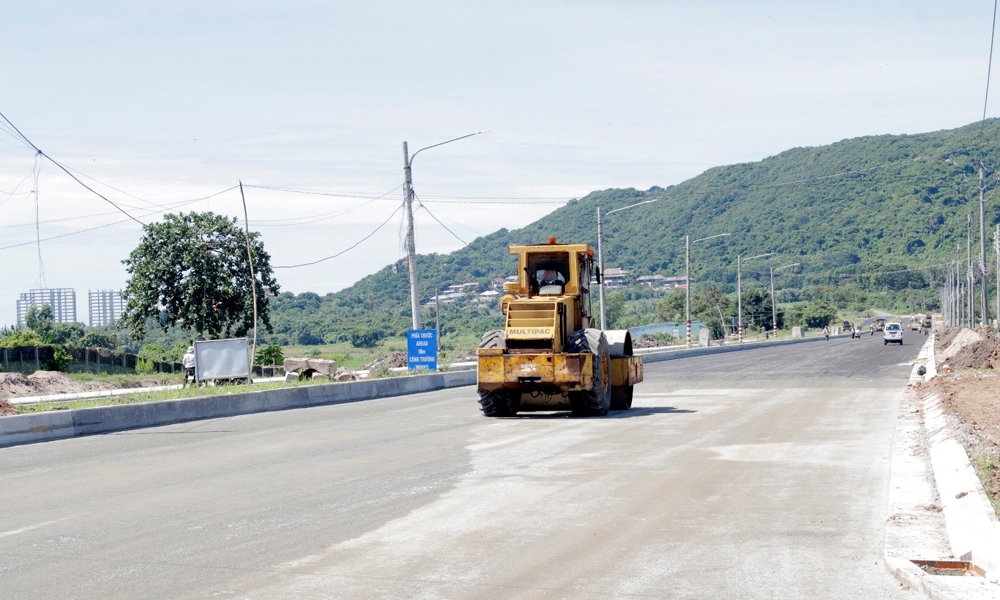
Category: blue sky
[166,102]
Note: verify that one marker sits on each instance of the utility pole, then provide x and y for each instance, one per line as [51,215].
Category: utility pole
[983,270]
[411,245]
[739,295]
[996,246]
[687,286]
[774,310]
[437,320]
[970,273]
[600,265]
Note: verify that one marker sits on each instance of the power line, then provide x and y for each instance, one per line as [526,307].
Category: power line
[989,69]
[71,233]
[353,246]
[68,172]
[14,191]
[439,221]
[147,211]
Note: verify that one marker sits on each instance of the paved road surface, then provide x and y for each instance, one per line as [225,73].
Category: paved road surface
[757,474]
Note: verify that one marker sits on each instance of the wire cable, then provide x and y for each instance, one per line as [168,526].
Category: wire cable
[465,243]
[68,172]
[352,247]
[989,69]
[147,211]
[71,233]
[14,191]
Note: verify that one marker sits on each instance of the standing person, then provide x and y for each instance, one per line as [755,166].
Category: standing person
[826,333]
[188,363]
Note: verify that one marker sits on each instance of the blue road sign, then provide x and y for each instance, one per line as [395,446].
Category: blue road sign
[421,349]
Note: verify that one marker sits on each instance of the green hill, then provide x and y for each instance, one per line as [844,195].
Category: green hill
[876,204]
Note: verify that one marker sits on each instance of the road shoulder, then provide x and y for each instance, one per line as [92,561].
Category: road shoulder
[924,526]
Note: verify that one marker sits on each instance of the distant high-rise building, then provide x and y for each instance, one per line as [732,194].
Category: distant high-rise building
[105,307]
[62,301]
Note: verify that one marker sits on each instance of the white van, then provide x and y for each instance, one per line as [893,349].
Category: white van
[893,333]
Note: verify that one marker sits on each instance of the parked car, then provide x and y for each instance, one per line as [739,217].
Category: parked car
[893,333]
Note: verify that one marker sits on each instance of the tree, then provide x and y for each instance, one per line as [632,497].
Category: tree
[818,313]
[39,320]
[190,271]
[270,355]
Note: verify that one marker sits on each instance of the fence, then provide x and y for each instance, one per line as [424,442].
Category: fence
[27,359]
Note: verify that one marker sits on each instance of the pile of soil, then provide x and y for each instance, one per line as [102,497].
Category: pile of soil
[647,341]
[393,360]
[967,349]
[43,383]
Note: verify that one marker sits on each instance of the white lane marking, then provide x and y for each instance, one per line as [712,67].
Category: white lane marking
[4,534]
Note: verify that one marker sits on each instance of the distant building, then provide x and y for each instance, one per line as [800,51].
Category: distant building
[61,300]
[105,307]
[659,281]
[615,277]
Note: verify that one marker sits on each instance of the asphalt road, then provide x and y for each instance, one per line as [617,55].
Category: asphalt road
[756,474]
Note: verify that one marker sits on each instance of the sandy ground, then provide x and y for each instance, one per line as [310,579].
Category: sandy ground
[968,383]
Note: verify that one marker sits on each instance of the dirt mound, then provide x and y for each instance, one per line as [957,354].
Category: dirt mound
[943,338]
[13,385]
[41,383]
[393,360]
[647,341]
[971,350]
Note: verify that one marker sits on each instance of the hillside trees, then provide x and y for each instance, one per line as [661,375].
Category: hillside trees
[190,271]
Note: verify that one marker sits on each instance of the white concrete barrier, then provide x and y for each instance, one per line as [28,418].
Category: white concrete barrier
[46,426]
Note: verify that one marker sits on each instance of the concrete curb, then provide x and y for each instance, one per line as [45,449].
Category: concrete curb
[933,470]
[53,425]
[688,352]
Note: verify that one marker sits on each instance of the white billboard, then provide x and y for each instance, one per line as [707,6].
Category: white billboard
[222,359]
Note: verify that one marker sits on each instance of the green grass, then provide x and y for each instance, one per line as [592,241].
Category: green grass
[987,465]
[128,380]
[161,396]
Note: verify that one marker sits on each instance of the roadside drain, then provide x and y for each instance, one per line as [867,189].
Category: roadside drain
[959,568]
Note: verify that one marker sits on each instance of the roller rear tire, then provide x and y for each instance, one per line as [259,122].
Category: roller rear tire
[597,401]
[621,397]
[500,403]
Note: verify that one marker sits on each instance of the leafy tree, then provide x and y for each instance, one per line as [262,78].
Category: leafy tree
[366,339]
[615,308]
[818,313]
[270,355]
[39,320]
[20,337]
[99,338]
[190,271]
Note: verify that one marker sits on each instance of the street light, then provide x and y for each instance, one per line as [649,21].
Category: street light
[739,288]
[774,310]
[600,252]
[411,246]
[687,277]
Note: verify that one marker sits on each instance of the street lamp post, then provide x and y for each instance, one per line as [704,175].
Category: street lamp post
[411,247]
[774,309]
[687,278]
[600,250]
[739,289]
